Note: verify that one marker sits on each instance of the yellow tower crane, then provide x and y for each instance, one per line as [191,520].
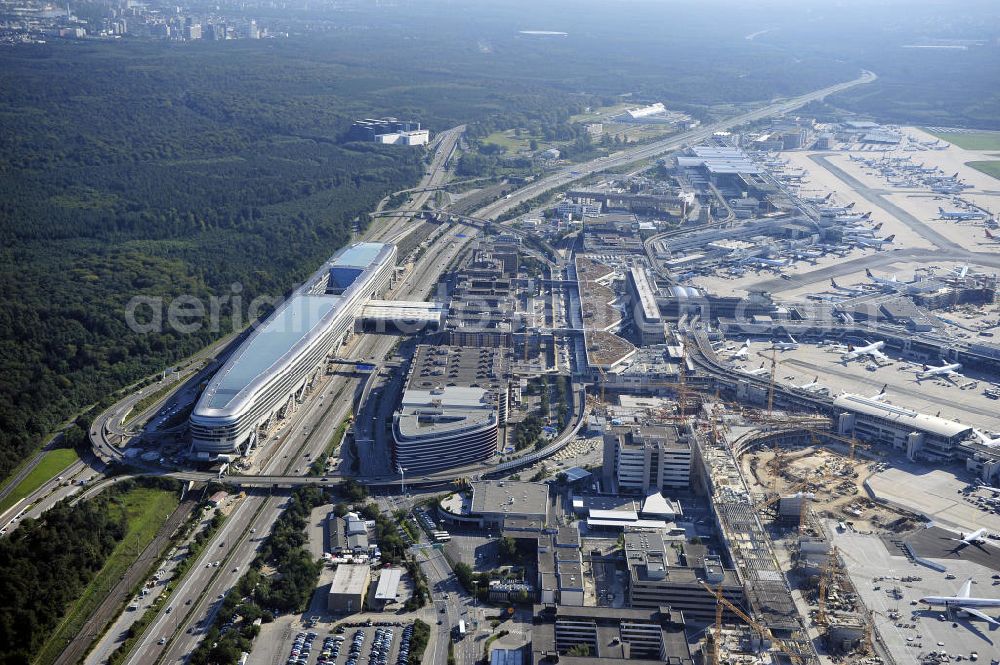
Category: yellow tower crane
[764,631]
[770,391]
[827,576]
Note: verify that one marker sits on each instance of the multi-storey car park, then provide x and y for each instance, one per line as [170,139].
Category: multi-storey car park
[271,369]
[452,408]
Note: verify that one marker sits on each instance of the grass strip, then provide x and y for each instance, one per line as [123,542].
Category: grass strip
[52,463]
[989,167]
[146,510]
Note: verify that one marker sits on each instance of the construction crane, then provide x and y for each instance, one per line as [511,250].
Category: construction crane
[827,576]
[852,442]
[765,632]
[777,497]
[770,391]
[604,379]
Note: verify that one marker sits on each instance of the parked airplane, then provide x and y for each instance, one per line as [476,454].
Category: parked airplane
[965,602]
[809,386]
[849,291]
[848,219]
[960,215]
[742,352]
[785,346]
[833,211]
[882,281]
[760,371]
[767,263]
[874,349]
[948,371]
[987,439]
[990,236]
[874,243]
[976,537]
[949,189]
[960,271]
[817,200]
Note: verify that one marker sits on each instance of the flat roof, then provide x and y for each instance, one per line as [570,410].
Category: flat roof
[510,496]
[902,416]
[404,311]
[645,293]
[388,584]
[350,578]
[291,328]
[291,323]
[445,409]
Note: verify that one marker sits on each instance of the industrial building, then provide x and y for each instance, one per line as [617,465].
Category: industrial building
[620,636]
[452,407]
[646,459]
[348,589]
[387,589]
[922,436]
[269,373]
[388,130]
[659,576]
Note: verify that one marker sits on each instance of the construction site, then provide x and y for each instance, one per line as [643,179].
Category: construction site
[779,493]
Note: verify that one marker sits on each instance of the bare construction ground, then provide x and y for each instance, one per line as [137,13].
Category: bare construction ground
[835,481]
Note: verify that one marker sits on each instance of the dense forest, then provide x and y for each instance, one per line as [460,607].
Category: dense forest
[165,169]
[45,565]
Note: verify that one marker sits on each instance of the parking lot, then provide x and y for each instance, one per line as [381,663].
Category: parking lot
[380,643]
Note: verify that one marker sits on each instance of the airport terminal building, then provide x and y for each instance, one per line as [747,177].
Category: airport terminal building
[270,371]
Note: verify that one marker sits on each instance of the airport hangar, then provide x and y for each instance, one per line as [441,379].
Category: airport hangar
[271,369]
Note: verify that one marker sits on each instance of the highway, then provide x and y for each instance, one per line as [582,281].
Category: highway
[425,272]
[196,601]
[575,172]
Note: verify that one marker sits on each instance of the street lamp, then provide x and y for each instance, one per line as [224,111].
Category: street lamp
[402,479]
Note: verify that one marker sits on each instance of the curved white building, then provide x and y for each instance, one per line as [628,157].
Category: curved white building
[272,367]
[444,428]
[452,408]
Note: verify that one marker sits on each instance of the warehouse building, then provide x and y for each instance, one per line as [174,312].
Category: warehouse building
[348,589]
[387,590]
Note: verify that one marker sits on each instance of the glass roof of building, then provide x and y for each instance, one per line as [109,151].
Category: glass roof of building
[360,255]
[276,337]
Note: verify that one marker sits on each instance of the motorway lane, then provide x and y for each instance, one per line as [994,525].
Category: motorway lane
[317,421]
[200,590]
[423,279]
[238,548]
[49,494]
[578,171]
[436,175]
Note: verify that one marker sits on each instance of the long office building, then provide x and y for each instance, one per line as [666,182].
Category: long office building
[270,371]
[646,459]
